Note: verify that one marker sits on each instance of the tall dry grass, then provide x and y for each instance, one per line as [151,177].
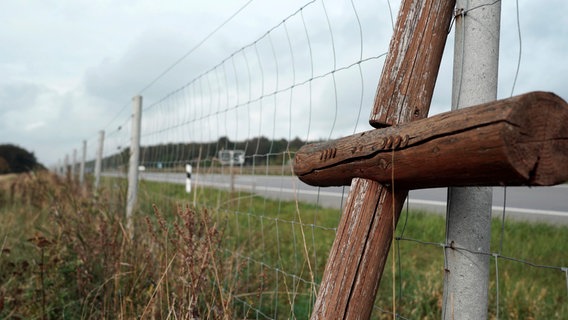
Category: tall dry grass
[66,255]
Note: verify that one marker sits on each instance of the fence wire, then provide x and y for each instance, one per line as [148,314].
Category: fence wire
[311,77]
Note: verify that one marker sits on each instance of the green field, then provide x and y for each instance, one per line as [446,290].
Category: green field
[218,255]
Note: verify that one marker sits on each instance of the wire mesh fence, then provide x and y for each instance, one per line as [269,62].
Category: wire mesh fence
[238,123]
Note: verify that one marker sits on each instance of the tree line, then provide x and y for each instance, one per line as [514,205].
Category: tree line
[258,150]
[14,159]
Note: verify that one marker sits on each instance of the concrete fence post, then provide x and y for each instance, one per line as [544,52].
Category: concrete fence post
[66,166]
[134,155]
[82,165]
[468,219]
[74,165]
[99,160]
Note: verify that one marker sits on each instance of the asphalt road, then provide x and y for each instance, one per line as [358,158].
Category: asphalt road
[546,204]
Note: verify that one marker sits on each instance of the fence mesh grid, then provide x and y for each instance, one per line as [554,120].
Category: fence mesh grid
[238,124]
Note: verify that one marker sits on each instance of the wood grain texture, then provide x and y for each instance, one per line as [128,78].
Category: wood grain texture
[411,66]
[359,252]
[521,140]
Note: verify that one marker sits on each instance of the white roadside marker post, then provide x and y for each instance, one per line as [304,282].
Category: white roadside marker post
[188,178]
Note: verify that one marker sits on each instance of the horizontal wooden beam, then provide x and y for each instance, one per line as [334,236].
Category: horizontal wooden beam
[522,140]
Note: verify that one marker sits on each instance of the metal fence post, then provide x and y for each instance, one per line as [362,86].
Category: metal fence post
[468,220]
[134,155]
[99,160]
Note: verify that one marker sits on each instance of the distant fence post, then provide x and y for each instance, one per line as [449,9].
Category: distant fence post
[59,167]
[82,166]
[468,220]
[231,172]
[74,164]
[66,166]
[99,160]
[134,155]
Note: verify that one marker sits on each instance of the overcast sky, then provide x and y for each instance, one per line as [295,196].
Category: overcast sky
[68,67]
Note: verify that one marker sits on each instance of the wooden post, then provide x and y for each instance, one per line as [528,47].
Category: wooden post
[359,252]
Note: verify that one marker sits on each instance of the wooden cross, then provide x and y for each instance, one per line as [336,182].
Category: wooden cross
[495,143]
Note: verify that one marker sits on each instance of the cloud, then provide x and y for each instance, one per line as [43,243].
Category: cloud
[119,79]
[26,107]
[68,69]
[46,121]
[34,125]
[19,96]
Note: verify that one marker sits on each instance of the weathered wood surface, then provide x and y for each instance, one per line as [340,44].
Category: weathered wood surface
[516,141]
[414,52]
[359,252]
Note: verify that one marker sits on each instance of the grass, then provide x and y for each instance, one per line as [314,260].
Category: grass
[525,291]
[68,255]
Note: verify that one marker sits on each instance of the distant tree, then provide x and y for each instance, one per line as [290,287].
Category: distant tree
[4,166]
[224,143]
[296,144]
[14,159]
